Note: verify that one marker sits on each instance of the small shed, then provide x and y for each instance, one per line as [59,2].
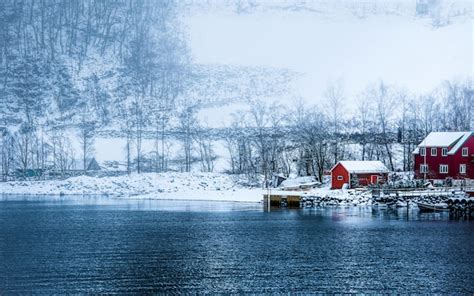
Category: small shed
[93,165]
[358,173]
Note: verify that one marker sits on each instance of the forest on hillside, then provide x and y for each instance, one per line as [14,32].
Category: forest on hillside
[87,68]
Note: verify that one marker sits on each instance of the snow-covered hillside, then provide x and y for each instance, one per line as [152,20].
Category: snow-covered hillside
[440,11]
[356,42]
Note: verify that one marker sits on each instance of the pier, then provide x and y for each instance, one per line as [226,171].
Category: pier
[291,199]
[455,199]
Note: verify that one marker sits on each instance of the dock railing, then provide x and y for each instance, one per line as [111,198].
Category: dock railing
[417,192]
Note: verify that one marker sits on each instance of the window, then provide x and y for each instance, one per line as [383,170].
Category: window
[422,151]
[340,178]
[434,151]
[423,168]
[462,168]
[465,151]
[444,151]
[443,168]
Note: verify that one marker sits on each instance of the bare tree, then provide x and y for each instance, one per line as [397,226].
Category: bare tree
[126,126]
[457,99]
[7,153]
[311,136]
[239,144]
[187,129]
[24,138]
[206,151]
[384,99]
[139,123]
[334,96]
[364,114]
[86,138]
[63,152]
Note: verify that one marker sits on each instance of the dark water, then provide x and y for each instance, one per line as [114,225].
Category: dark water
[72,245]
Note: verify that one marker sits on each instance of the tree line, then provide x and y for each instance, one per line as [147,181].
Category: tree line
[387,124]
[261,140]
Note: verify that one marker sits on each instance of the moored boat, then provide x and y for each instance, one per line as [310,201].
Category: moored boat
[425,207]
[384,202]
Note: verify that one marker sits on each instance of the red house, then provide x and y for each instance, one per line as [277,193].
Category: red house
[358,173]
[444,155]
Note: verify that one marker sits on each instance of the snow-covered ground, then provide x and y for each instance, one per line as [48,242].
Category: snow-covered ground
[178,186]
[173,186]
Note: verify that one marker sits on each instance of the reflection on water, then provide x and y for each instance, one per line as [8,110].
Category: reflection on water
[95,244]
[115,203]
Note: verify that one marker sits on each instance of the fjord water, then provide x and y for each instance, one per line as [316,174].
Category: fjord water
[94,245]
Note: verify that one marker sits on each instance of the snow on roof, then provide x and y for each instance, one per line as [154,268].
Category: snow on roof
[460,142]
[364,166]
[442,139]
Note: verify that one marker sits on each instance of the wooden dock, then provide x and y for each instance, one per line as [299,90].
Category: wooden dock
[291,199]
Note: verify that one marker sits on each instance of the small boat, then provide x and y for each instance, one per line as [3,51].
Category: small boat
[301,187]
[309,185]
[299,184]
[424,207]
[384,202]
[290,188]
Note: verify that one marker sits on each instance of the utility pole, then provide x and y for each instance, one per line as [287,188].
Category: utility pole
[425,167]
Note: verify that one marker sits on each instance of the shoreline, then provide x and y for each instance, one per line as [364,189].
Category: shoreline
[173,186]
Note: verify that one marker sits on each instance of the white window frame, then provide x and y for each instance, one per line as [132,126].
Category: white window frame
[444,151]
[340,178]
[462,168]
[443,169]
[465,151]
[435,150]
[423,168]
[422,151]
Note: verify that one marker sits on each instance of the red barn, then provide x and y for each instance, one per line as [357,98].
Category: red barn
[358,173]
[444,155]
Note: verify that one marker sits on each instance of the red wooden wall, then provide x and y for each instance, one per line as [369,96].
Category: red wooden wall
[339,170]
[453,161]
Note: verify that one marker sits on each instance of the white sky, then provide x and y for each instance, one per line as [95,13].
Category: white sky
[406,52]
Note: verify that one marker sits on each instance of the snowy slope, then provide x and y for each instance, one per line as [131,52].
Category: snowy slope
[193,186]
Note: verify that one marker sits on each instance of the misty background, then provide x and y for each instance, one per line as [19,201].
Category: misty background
[243,87]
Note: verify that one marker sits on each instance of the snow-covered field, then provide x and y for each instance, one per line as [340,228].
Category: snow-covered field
[179,186]
[172,186]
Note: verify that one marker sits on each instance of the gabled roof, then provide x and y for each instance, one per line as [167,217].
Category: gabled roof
[460,142]
[354,166]
[91,164]
[444,139]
